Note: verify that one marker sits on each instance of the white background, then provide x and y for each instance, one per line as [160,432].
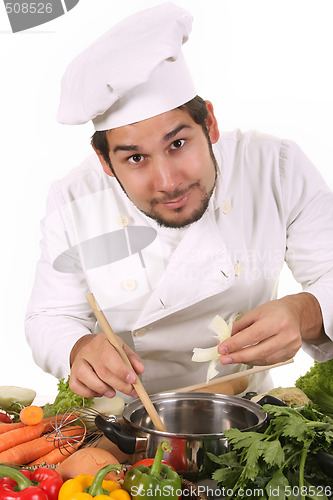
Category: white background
[265,64]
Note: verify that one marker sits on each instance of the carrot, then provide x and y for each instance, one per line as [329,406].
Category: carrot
[9,427]
[57,455]
[31,415]
[26,452]
[49,423]
[29,451]
[21,435]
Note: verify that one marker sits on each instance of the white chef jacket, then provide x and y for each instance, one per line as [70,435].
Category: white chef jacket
[160,288]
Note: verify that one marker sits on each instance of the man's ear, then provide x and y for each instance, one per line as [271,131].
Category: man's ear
[105,165]
[211,123]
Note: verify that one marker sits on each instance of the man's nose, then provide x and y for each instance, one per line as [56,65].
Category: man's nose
[167,176]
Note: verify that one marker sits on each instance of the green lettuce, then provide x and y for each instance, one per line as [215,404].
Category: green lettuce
[65,398]
[317,384]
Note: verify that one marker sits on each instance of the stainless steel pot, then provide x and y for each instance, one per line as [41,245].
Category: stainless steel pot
[195,423]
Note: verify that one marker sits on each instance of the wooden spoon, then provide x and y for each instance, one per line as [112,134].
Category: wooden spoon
[142,393]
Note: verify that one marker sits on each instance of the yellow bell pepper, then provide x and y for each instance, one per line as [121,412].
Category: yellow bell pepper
[88,487]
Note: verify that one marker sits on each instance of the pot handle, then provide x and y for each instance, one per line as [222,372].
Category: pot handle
[113,431]
[271,400]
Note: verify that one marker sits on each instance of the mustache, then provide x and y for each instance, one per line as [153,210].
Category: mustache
[177,193]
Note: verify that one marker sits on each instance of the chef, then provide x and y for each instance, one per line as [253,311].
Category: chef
[169,223]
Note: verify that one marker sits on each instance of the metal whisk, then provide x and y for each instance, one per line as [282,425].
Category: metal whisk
[88,418]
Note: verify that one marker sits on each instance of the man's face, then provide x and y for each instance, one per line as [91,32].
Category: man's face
[165,166]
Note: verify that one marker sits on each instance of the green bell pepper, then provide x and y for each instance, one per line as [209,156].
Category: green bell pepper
[158,481]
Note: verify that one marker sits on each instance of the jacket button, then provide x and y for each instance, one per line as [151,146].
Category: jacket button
[239,268]
[226,207]
[122,221]
[128,285]
[238,316]
[140,332]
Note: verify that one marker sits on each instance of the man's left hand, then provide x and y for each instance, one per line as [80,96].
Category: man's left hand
[273,332]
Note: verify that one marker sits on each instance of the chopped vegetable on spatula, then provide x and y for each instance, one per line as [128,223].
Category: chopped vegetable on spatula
[222,332]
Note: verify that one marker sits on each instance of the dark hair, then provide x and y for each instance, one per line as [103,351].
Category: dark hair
[196,108]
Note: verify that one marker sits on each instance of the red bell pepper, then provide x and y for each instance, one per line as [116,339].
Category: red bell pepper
[41,484]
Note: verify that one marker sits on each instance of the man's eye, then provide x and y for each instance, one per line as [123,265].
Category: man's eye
[135,158]
[177,144]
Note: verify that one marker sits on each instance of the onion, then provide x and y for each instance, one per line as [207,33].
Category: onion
[222,332]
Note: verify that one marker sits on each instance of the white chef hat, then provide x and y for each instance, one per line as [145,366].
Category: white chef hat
[136,70]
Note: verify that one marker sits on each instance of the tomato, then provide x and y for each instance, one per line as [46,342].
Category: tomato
[148,462]
[5,418]
[177,458]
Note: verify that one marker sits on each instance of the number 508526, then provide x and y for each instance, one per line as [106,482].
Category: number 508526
[311,491]
[28,8]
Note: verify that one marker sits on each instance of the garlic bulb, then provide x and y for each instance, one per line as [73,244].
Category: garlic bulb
[222,332]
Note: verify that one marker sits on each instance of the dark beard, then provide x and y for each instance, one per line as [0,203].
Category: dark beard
[194,217]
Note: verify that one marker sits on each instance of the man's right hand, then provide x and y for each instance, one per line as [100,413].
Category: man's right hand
[98,370]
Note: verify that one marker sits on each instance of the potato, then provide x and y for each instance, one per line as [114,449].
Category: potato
[88,461]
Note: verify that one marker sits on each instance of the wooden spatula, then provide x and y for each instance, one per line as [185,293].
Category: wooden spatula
[142,393]
[232,376]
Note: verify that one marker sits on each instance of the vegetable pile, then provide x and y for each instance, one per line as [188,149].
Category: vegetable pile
[23,444]
[280,461]
[30,434]
[317,384]
[151,479]
[35,435]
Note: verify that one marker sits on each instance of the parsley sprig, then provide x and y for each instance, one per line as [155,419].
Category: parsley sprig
[279,461]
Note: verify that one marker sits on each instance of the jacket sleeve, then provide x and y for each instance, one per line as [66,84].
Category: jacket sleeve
[308,204]
[58,313]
